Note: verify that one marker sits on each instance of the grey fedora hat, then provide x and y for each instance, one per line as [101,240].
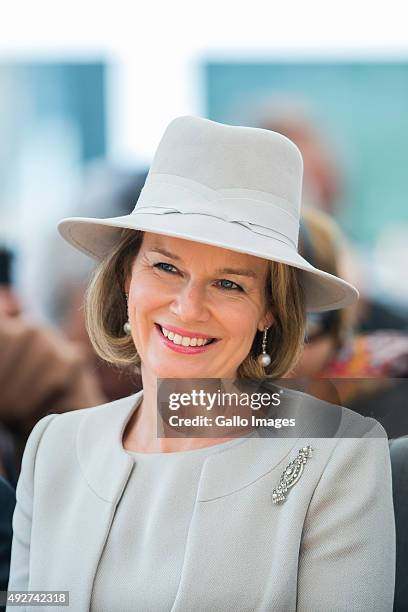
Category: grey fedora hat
[235,187]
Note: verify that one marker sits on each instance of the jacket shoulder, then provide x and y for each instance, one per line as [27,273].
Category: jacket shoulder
[355,425]
[63,429]
[321,418]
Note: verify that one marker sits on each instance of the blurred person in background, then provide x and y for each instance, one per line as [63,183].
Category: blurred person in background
[40,371]
[336,349]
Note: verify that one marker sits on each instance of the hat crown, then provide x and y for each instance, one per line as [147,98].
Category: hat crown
[224,157]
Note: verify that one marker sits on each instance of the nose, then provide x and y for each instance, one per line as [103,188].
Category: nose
[190,303]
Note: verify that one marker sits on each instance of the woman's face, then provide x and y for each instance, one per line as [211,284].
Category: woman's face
[184,293]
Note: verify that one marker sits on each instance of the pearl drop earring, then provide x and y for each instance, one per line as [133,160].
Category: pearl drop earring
[264,359]
[126,325]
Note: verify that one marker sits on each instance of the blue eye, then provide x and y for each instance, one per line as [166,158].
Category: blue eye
[165,267]
[230,286]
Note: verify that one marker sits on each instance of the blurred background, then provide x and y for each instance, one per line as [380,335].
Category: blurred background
[86,91]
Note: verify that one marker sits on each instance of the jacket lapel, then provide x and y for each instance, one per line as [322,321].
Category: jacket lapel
[105,464]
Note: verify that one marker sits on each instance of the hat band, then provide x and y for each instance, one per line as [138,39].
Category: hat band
[259,212]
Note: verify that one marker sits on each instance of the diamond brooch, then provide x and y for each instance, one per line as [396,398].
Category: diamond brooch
[291,474]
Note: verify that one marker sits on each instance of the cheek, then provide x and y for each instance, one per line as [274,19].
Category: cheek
[146,293]
[239,319]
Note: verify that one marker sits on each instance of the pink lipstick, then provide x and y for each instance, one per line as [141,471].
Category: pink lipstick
[178,348]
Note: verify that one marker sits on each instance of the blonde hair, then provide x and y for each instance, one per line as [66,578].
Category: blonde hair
[106,312]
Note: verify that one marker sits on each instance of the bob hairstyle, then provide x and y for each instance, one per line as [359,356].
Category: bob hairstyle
[106,312]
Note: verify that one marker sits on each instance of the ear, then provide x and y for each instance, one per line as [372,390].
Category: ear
[266,321]
[126,286]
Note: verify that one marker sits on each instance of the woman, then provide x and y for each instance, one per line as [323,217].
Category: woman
[205,282]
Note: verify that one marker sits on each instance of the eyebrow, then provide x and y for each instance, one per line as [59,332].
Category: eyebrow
[236,271]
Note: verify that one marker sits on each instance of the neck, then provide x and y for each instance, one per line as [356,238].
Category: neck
[141,432]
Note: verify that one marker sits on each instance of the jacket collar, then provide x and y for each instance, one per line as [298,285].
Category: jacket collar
[106,466]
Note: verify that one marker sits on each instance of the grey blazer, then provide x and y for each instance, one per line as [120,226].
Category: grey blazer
[329,546]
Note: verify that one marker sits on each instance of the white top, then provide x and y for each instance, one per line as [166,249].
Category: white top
[142,560]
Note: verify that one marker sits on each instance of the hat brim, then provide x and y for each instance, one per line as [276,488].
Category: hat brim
[97,237]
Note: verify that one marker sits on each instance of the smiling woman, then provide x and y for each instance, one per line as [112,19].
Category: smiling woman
[204,281]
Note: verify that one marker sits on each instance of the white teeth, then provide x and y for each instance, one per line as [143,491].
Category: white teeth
[184,340]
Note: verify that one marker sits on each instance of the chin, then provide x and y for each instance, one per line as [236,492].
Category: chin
[173,371]
[178,373]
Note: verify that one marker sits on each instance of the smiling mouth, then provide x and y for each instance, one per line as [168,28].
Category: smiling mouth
[186,341]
